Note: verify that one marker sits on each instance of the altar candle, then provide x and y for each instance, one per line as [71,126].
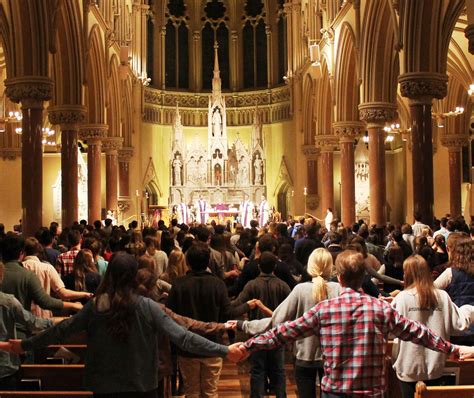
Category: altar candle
[305,192]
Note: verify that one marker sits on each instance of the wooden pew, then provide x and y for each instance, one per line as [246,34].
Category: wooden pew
[77,349]
[55,377]
[422,391]
[46,394]
[466,370]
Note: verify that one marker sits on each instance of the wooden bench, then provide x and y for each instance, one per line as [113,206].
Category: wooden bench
[422,391]
[466,370]
[45,394]
[77,349]
[55,377]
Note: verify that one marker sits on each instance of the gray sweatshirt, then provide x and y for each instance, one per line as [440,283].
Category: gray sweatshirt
[307,350]
[413,362]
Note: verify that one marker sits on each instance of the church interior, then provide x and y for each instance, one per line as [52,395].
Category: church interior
[364,107]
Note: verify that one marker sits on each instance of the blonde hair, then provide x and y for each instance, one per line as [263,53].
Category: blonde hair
[320,266]
[177,266]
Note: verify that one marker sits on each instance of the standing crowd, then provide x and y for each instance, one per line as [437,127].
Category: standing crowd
[155,303]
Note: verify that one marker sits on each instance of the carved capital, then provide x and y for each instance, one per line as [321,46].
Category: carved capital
[125,154]
[67,116]
[93,133]
[327,142]
[312,201]
[454,142]
[31,91]
[10,153]
[311,152]
[123,205]
[111,145]
[417,85]
[469,32]
[348,131]
[376,114]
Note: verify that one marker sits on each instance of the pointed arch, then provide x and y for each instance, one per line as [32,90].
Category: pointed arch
[114,108]
[96,77]
[6,41]
[324,108]
[127,112]
[347,91]
[308,109]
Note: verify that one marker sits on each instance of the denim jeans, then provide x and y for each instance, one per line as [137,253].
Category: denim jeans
[305,378]
[268,364]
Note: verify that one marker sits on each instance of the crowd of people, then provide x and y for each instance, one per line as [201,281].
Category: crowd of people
[157,303]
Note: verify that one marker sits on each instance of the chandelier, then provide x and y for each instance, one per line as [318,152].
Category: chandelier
[48,135]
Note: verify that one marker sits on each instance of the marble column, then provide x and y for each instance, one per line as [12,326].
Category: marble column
[454,143]
[376,114]
[111,146]
[68,117]
[94,134]
[327,145]
[31,92]
[347,132]
[124,156]
[421,88]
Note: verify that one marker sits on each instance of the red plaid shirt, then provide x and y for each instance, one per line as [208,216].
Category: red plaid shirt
[65,261]
[353,330]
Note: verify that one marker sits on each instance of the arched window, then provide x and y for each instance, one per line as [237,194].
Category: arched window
[176,45]
[215,30]
[255,43]
[282,40]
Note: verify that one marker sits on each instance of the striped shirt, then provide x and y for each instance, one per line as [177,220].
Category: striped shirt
[353,330]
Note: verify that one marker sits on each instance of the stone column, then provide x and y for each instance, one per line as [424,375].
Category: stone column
[347,132]
[376,114]
[327,145]
[68,117]
[111,146]
[31,91]
[124,157]
[311,154]
[421,88]
[454,143]
[94,134]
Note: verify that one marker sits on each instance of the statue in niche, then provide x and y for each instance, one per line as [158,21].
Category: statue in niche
[218,174]
[216,123]
[233,165]
[243,172]
[258,169]
[193,171]
[177,166]
[202,167]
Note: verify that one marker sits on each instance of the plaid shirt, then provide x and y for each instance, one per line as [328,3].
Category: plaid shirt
[353,330]
[65,261]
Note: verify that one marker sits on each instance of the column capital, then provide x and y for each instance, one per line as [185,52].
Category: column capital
[311,152]
[376,114]
[31,91]
[454,142]
[69,117]
[111,145]
[125,154]
[327,142]
[347,131]
[423,86]
[469,33]
[93,133]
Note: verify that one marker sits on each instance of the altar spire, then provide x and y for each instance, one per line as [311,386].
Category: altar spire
[216,80]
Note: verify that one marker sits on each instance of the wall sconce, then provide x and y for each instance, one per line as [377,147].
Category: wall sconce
[440,117]
[471,90]
[314,53]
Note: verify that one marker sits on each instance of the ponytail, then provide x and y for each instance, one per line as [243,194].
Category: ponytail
[320,267]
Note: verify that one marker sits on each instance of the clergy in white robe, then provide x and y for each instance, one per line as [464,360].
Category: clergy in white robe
[184,216]
[202,210]
[263,212]
[246,209]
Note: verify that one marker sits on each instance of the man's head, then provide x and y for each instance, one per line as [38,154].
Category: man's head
[12,248]
[350,268]
[74,237]
[246,197]
[263,198]
[134,224]
[32,247]
[267,262]
[417,216]
[108,222]
[203,234]
[267,243]
[97,224]
[197,256]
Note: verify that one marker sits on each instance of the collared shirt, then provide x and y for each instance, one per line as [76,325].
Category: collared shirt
[418,227]
[65,262]
[353,330]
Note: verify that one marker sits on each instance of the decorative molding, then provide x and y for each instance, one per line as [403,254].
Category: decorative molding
[93,132]
[454,142]
[123,205]
[10,153]
[159,108]
[111,145]
[348,131]
[125,154]
[312,201]
[326,143]
[29,88]
[67,116]
[469,33]
[376,114]
[310,151]
[417,85]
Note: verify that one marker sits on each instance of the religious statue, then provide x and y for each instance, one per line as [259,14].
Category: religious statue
[193,171]
[202,167]
[258,168]
[216,123]
[242,172]
[177,166]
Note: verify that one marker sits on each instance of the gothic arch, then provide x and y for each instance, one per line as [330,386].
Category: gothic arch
[324,107]
[378,54]
[6,41]
[457,96]
[127,112]
[114,110]
[347,77]
[96,77]
[308,109]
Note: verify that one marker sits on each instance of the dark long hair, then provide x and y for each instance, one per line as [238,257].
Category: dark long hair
[120,286]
